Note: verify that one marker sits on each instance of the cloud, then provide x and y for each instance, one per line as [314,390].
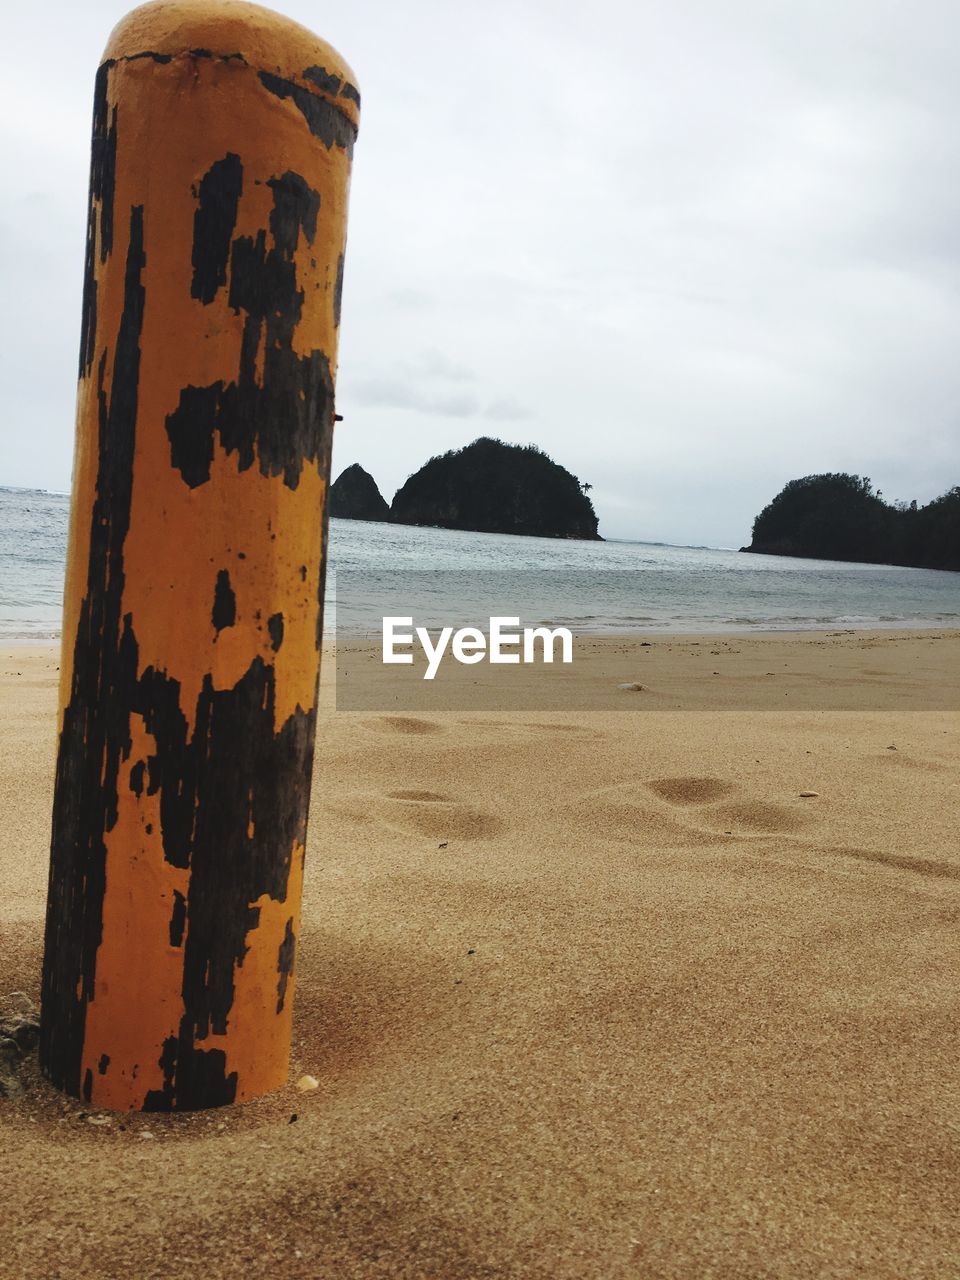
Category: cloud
[393,393]
[434,364]
[507,410]
[412,299]
[428,383]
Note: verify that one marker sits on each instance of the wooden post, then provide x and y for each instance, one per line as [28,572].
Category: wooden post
[222,143]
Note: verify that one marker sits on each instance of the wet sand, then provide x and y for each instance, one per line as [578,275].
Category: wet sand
[587,993]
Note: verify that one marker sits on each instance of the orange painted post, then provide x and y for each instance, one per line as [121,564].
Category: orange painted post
[222,144]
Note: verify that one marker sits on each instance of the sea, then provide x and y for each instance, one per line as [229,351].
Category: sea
[592,587]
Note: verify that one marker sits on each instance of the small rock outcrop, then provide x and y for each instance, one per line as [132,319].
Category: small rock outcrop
[354,496]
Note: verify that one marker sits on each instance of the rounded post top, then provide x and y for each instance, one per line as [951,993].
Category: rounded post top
[237,30]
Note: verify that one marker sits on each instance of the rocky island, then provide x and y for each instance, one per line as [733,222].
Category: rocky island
[836,516]
[354,496]
[493,487]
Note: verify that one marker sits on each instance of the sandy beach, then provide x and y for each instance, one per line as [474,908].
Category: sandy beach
[588,994]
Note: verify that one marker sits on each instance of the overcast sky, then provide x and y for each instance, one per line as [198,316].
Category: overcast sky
[692,249]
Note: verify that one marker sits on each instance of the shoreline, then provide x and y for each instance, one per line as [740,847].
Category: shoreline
[733,632]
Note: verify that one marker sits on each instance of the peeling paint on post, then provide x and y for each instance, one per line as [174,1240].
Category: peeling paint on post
[222,143]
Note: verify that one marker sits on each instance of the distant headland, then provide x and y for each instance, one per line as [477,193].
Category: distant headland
[487,486]
[837,516]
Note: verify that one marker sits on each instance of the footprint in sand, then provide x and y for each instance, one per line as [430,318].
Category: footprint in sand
[755,817]
[407,724]
[742,817]
[428,813]
[626,814]
[686,791]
